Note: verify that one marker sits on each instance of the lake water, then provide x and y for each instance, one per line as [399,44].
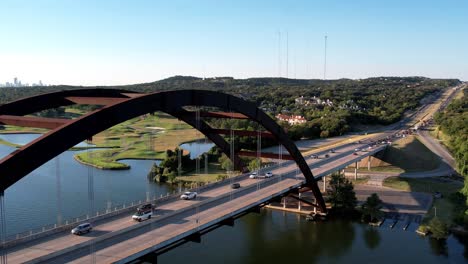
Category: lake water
[23,139]
[269,237]
[197,148]
[277,237]
[36,194]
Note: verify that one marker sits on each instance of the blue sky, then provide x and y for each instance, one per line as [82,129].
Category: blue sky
[120,42]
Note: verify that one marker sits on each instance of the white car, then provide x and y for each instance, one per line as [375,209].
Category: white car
[253,175]
[188,196]
[268,175]
[142,215]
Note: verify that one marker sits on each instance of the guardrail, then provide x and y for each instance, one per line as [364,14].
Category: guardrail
[261,185]
[100,215]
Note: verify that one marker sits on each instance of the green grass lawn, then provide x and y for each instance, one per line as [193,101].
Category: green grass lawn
[15,129]
[144,137]
[410,155]
[360,180]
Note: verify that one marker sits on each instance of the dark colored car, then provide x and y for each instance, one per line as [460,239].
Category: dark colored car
[235,185]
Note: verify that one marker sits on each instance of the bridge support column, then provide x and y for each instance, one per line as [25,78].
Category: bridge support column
[355,171]
[369,162]
[324,179]
[299,203]
[357,164]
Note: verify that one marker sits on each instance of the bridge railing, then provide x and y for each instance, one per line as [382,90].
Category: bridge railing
[115,209]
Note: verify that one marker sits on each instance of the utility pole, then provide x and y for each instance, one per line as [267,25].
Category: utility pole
[287,53]
[325,61]
[279,54]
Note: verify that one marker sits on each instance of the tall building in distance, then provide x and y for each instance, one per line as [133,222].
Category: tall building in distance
[17,83]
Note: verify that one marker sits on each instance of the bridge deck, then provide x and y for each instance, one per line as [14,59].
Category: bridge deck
[123,239]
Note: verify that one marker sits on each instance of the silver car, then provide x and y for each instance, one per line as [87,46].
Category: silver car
[81,229]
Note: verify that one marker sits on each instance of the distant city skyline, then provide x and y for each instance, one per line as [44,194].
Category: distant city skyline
[18,83]
[126,42]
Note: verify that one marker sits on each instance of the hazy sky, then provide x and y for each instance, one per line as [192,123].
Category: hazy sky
[100,42]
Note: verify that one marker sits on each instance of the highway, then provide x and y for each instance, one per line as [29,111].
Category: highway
[175,218]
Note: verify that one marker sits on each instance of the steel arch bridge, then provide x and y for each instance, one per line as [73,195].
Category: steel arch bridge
[121,105]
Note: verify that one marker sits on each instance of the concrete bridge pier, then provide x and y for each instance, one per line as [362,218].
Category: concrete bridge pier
[324,179]
[299,203]
[355,170]
[369,162]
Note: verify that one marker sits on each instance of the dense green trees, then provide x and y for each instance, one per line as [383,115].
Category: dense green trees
[453,121]
[438,228]
[167,170]
[371,208]
[341,194]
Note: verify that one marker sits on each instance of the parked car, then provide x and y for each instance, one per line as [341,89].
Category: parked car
[188,196]
[145,207]
[253,175]
[268,174]
[142,215]
[81,229]
[235,185]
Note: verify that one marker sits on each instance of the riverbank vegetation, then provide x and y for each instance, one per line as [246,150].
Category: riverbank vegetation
[371,209]
[341,194]
[168,170]
[453,123]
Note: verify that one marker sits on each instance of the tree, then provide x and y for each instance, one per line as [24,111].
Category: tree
[438,228]
[254,165]
[225,162]
[371,208]
[341,195]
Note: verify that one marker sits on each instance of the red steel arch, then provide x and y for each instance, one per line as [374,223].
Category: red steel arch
[120,106]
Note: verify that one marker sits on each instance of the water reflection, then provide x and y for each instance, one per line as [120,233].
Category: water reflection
[371,237]
[277,237]
[438,247]
[197,148]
